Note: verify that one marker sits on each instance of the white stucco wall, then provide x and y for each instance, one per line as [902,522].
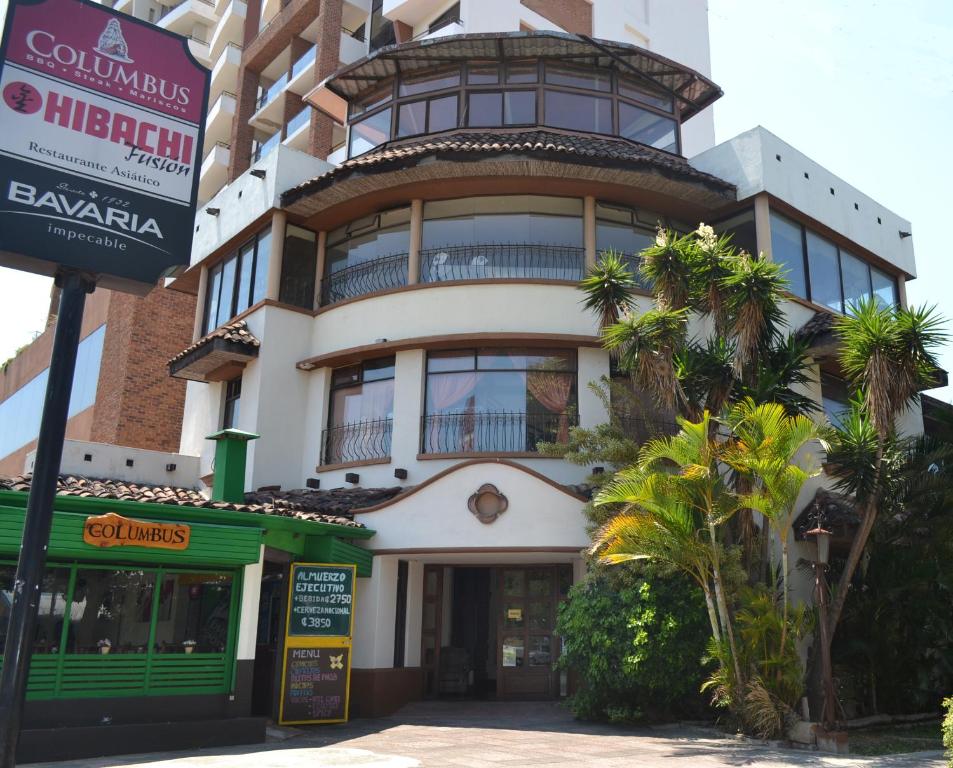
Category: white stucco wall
[750,161]
[375,611]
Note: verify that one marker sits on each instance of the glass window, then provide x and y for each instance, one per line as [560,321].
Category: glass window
[744,236]
[369,133]
[372,100]
[617,231]
[825,272]
[484,109]
[246,267]
[113,605]
[787,249]
[835,398]
[51,612]
[483,75]
[262,256]
[194,612]
[577,112]
[855,275]
[884,286]
[362,410]
[635,91]
[238,282]
[522,72]
[233,399]
[225,308]
[410,85]
[442,114]
[412,118]
[647,127]
[514,399]
[298,264]
[385,234]
[519,107]
[573,77]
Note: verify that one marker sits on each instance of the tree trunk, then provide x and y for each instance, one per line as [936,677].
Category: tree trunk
[712,613]
[723,608]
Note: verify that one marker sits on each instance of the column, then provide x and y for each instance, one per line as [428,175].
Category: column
[416,236]
[589,230]
[593,364]
[200,304]
[319,268]
[415,607]
[279,221]
[408,409]
[375,606]
[247,633]
[326,63]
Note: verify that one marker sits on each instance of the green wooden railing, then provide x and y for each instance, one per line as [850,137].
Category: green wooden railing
[81,676]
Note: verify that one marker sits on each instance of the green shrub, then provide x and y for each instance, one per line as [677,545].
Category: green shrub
[948,731]
[635,639]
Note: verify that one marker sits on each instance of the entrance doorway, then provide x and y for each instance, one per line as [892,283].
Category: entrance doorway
[489,632]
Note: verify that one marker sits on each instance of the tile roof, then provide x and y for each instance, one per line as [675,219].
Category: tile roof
[332,506]
[236,333]
[822,323]
[580,148]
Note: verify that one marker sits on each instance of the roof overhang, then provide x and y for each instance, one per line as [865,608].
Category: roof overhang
[691,90]
[219,356]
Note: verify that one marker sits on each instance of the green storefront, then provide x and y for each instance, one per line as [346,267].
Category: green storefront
[141,647]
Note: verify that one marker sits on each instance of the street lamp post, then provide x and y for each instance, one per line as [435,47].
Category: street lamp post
[822,540]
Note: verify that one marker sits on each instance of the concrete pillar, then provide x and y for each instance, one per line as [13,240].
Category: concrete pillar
[902,290]
[415,608]
[593,364]
[319,267]
[248,614]
[762,224]
[408,408]
[279,223]
[416,237]
[589,230]
[375,606]
[200,302]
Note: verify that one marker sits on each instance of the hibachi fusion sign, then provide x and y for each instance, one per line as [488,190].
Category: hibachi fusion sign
[101,129]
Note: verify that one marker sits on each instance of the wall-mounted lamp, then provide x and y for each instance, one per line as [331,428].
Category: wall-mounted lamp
[904,235]
[313,483]
[170,467]
[213,211]
[352,477]
[400,474]
[598,470]
[258,173]
[306,366]
[380,341]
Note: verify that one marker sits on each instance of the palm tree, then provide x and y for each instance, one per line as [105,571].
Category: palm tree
[888,355]
[673,504]
[766,446]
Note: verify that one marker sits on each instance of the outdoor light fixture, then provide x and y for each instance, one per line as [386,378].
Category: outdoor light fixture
[258,173]
[213,211]
[400,474]
[313,483]
[170,467]
[598,470]
[822,540]
[904,235]
[306,366]
[352,477]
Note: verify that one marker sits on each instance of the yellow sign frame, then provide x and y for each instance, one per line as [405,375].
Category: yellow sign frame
[336,641]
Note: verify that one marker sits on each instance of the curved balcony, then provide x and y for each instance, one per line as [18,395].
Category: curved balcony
[501,261]
[364,278]
[499,432]
[360,441]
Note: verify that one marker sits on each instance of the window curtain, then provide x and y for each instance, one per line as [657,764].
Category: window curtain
[552,390]
[449,432]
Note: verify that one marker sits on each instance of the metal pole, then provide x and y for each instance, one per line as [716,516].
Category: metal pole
[39,511]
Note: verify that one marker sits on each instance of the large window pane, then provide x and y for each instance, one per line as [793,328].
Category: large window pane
[856,277]
[211,297]
[647,128]
[825,274]
[225,312]
[114,605]
[885,287]
[412,85]
[262,257]
[633,90]
[298,264]
[369,133]
[522,73]
[412,118]
[246,268]
[384,235]
[519,107]
[485,109]
[443,114]
[834,398]
[52,608]
[194,612]
[578,112]
[787,249]
[573,77]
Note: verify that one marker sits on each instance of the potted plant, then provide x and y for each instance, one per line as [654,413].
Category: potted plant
[188,645]
[104,646]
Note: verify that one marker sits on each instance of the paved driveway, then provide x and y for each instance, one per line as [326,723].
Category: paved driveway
[478,735]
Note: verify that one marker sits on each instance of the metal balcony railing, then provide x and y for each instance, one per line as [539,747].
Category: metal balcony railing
[366,277]
[502,261]
[493,432]
[361,441]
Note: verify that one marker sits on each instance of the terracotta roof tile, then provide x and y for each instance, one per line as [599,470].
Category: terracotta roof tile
[236,333]
[601,150]
[331,506]
[822,323]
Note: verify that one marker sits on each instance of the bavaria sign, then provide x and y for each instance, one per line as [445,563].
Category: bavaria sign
[101,129]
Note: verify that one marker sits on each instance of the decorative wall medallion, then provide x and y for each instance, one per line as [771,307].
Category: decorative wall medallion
[487,503]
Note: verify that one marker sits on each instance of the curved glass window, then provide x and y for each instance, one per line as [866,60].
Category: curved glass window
[497,94]
[625,231]
[367,255]
[519,236]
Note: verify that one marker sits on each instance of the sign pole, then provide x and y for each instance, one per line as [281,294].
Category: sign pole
[39,512]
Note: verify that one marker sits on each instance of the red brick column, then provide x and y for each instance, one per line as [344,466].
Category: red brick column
[326,64]
[239,156]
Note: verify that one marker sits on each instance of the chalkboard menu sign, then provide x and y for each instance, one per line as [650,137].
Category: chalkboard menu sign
[315,685]
[321,600]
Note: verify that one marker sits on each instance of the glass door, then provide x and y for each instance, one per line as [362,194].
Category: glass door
[528,646]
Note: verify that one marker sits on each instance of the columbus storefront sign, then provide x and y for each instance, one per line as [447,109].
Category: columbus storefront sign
[112,530]
[101,129]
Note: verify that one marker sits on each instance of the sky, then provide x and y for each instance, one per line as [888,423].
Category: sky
[864,87]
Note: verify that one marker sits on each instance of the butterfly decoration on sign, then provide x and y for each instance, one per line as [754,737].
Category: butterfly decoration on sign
[337,662]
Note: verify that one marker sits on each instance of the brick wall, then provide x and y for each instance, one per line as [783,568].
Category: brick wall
[574,16]
[137,403]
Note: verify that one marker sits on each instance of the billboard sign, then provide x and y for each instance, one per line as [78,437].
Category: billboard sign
[101,129]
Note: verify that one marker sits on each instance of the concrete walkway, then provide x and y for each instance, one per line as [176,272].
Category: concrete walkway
[479,734]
